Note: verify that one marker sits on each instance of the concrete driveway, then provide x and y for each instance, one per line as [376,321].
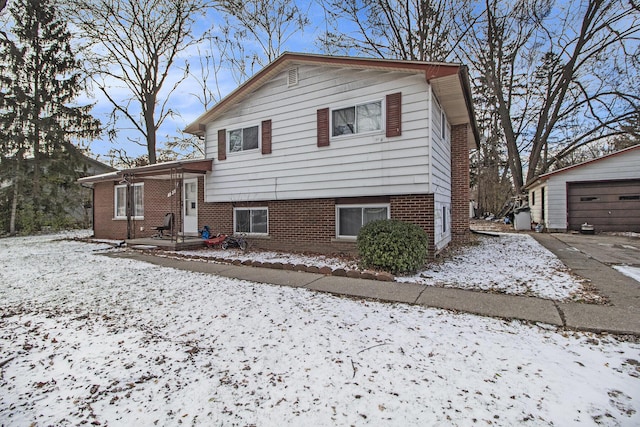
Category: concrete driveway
[606,248]
[593,256]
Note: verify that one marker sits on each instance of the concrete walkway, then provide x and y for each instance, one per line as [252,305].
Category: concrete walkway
[621,317]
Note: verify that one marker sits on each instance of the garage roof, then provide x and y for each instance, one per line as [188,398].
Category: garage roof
[547,175]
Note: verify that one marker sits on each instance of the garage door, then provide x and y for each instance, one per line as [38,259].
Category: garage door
[608,205]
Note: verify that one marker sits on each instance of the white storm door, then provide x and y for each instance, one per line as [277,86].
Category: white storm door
[190,207]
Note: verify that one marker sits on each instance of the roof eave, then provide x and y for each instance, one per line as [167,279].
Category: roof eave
[546,176]
[454,95]
[431,70]
[157,170]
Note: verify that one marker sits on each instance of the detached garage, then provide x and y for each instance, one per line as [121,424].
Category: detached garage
[603,192]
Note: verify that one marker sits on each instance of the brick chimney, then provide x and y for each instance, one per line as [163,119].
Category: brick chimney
[460,184]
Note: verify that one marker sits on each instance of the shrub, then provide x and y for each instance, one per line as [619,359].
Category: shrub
[393,246]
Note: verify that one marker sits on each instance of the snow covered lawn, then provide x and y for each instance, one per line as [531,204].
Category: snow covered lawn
[511,263]
[86,338]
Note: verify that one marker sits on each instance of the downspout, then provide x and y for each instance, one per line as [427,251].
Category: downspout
[127,179]
[430,146]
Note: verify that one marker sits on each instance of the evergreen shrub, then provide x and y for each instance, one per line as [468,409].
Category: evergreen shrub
[393,246]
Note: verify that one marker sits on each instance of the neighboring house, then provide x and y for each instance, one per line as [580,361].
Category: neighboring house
[603,192]
[77,199]
[312,147]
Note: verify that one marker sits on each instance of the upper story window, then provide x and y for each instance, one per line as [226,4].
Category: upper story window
[243,139]
[136,200]
[357,119]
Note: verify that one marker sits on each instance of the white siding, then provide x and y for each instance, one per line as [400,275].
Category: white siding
[441,175]
[621,166]
[358,165]
[535,203]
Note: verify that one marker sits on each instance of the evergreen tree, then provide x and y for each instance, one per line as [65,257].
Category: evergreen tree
[39,81]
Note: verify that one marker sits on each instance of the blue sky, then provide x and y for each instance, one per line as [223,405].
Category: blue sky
[183,100]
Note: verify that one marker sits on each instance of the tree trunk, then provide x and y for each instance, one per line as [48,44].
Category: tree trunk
[150,124]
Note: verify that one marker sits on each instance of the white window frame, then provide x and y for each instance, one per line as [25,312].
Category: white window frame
[242,128]
[355,107]
[251,232]
[361,206]
[116,199]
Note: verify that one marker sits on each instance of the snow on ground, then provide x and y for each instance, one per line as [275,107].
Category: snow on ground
[314,260]
[510,263]
[629,271]
[90,339]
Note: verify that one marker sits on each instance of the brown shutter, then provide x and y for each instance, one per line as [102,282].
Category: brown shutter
[323,127]
[394,114]
[222,144]
[266,137]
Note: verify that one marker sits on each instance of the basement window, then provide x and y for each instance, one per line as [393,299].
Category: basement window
[588,199]
[251,220]
[632,197]
[351,218]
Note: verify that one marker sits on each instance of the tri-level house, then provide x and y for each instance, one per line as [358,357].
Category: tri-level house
[310,149]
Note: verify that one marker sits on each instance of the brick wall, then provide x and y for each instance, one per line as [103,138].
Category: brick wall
[104,227]
[459,184]
[156,205]
[310,225]
[416,209]
[294,225]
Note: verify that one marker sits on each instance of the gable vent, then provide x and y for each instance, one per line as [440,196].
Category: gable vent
[292,77]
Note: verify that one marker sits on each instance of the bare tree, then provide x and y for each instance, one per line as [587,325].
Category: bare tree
[489,168]
[410,29]
[560,77]
[135,47]
[255,32]
[210,65]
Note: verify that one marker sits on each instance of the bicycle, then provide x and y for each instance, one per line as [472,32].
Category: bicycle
[235,242]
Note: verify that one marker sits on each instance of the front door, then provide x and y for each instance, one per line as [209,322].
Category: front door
[190,210]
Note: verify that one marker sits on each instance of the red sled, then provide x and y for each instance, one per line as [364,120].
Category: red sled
[215,240]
